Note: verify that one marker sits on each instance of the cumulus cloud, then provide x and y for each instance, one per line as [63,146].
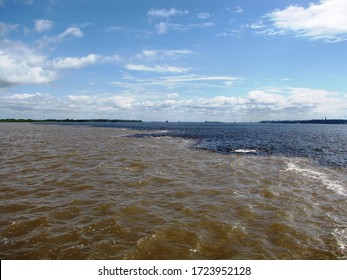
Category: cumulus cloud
[26,104]
[87,102]
[25,96]
[75,62]
[42,25]
[45,105]
[288,102]
[20,64]
[264,98]
[326,20]
[119,101]
[258,104]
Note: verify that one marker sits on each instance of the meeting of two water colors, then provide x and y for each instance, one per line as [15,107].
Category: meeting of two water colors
[173,191]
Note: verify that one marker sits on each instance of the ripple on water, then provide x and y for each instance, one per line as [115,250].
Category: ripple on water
[91,193]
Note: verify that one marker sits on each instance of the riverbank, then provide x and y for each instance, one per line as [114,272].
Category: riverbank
[66,120]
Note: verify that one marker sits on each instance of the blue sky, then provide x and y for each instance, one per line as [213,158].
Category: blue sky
[235,60]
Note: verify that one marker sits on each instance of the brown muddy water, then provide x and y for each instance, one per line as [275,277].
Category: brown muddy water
[79,192]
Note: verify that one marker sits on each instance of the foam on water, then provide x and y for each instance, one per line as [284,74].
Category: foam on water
[340,235]
[317,175]
[245,151]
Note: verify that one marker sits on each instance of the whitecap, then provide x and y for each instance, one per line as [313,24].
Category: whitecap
[341,238]
[316,175]
[245,151]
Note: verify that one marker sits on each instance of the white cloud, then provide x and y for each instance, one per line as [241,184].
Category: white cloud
[83,98]
[27,105]
[203,15]
[194,78]
[119,101]
[153,54]
[184,82]
[69,32]
[43,105]
[166,12]
[137,32]
[296,102]
[6,28]
[165,24]
[326,20]
[42,25]
[288,103]
[262,97]
[162,27]
[25,95]
[87,102]
[20,64]
[272,103]
[238,10]
[156,68]
[203,24]
[110,58]
[165,27]
[172,95]
[220,102]
[75,62]
[321,101]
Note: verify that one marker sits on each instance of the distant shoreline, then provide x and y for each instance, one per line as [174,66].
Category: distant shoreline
[316,121]
[323,121]
[66,120]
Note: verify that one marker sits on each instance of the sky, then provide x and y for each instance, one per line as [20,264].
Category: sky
[176,60]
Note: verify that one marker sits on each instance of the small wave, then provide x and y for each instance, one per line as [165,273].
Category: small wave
[341,238]
[155,198]
[245,151]
[318,176]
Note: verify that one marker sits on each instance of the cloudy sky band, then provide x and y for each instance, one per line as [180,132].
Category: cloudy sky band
[181,62]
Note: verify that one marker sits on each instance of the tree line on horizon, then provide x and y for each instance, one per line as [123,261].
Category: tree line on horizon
[68,120]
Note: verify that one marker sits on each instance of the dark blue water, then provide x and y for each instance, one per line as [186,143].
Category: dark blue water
[325,144]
